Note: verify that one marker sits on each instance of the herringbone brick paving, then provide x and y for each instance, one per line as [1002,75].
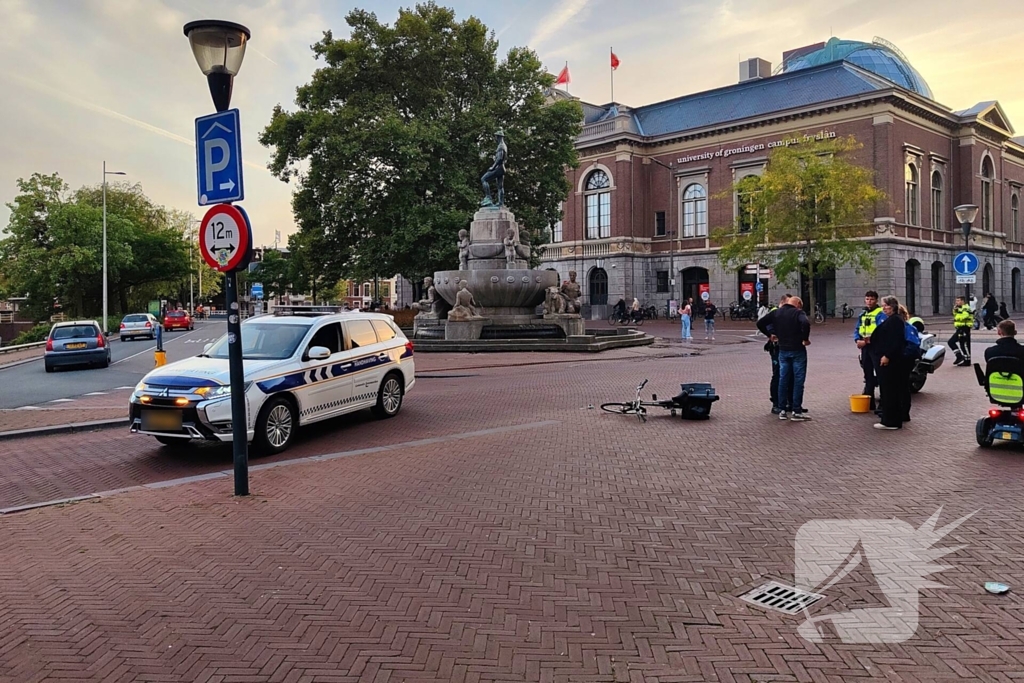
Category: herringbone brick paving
[595,549]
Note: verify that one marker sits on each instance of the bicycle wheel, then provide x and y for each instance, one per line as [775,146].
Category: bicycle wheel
[639,320]
[621,408]
[612,319]
[819,317]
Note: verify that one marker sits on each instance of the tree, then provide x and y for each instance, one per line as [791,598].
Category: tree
[53,249]
[395,130]
[806,213]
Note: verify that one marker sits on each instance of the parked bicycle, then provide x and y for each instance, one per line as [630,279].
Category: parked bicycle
[649,312]
[743,310]
[847,312]
[821,313]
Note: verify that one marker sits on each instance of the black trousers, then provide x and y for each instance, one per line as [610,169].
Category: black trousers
[960,342]
[894,383]
[773,388]
[870,363]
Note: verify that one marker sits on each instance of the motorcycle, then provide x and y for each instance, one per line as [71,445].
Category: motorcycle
[932,356]
[745,310]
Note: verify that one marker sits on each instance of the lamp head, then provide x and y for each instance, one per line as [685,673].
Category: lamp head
[966,213]
[219,47]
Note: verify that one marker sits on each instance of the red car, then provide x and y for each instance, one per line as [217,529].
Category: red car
[177,320]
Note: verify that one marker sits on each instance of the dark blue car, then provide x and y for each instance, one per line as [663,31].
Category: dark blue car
[80,342]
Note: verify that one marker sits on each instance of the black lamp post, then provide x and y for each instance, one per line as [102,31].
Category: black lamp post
[966,213]
[219,47]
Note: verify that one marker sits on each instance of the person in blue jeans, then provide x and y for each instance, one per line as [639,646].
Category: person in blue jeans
[710,311]
[685,314]
[791,328]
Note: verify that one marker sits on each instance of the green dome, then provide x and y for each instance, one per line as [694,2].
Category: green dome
[878,57]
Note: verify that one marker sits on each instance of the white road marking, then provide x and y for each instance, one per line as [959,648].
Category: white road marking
[116,388]
[149,350]
[96,393]
[61,400]
[29,408]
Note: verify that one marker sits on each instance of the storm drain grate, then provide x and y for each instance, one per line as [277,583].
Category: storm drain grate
[776,596]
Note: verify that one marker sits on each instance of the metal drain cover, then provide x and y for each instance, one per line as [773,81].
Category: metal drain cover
[781,598]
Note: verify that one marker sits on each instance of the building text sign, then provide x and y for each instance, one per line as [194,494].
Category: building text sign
[750,149]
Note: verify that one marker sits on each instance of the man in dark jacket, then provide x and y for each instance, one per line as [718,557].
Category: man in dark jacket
[1007,344]
[772,348]
[791,328]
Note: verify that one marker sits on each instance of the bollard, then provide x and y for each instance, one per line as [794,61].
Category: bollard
[160,355]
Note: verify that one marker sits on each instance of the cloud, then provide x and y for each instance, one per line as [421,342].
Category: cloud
[556,20]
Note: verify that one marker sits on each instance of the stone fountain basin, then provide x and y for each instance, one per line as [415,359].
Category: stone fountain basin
[497,289]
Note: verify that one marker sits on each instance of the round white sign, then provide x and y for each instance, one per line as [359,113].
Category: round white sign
[224,237]
[705,295]
[747,296]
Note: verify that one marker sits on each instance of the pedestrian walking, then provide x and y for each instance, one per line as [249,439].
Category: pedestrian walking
[960,342]
[1003,313]
[790,326]
[990,308]
[889,340]
[685,315]
[869,320]
[710,311]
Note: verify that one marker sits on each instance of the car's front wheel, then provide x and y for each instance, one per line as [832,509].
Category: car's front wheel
[275,426]
[389,397]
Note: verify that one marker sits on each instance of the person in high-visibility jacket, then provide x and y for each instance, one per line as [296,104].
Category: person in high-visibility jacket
[960,342]
[871,318]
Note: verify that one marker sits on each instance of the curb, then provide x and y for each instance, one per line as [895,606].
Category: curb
[16,363]
[65,428]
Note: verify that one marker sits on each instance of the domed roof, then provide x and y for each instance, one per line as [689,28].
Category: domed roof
[878,56]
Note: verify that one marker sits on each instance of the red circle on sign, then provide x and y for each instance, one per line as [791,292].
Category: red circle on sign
[224,238]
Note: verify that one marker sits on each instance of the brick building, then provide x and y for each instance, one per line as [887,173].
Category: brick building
[654,182]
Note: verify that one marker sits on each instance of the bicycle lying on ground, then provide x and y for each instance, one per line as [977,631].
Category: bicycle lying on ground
[693,402]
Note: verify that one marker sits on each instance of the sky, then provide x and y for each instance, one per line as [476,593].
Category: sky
[88,81]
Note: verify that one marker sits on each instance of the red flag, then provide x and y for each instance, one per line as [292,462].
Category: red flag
[563,77]
[615,62]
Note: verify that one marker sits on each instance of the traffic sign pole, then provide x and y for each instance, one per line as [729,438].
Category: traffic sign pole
[239,421]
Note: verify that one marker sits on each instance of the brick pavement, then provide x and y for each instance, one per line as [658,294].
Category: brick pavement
[596,549]
[103,406]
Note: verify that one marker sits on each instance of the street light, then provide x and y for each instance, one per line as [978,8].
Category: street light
[966,213]
[105,174]
[219,47]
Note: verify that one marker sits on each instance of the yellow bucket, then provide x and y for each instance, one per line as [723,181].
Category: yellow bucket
[860,403]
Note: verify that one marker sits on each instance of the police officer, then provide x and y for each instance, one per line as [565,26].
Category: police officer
[871,318]
[960,342]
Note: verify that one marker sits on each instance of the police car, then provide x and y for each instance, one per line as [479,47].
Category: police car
[300,368]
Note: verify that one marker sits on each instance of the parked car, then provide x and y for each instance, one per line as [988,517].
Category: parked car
[177,320]
[79,342]
[298,370]
[138,325]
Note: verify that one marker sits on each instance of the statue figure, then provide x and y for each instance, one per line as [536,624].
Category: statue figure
[429,304]
[571,292]
[497,173]
[510,248]
[465,305]
[553,301]
[463,249]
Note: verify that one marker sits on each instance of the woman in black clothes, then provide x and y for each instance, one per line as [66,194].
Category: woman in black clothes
[889,341]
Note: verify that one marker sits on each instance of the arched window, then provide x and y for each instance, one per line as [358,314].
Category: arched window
[598,285]
[913,180]
[1015,218]
[746,191]
[987,176]
[936,200]
[695,211]
[598,196]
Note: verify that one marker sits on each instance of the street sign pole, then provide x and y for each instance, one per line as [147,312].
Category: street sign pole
[239,422]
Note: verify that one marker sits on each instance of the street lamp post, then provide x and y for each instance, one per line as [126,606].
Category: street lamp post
[219,47]
[966,213]
[105,174]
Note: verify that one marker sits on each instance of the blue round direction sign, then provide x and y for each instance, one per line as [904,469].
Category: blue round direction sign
[965,263]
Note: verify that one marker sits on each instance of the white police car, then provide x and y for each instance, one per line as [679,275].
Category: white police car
[298,369]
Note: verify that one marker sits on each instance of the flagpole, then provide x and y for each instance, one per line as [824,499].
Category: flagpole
[567,80]
[611,71]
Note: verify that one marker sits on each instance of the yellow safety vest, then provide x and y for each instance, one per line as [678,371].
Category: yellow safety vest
[1006,388]
[962,317]
[868,322]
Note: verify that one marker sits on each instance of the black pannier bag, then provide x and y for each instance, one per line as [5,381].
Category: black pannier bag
[694,400]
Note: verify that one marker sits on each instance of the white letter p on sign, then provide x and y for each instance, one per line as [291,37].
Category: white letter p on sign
[211,168]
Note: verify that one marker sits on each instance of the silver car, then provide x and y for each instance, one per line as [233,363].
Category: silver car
[80,342]
[138,325]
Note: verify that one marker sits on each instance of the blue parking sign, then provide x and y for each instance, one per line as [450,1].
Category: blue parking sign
[219,158]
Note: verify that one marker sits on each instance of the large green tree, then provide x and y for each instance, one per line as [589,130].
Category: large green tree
[808,212]
[395,129]
[52,249]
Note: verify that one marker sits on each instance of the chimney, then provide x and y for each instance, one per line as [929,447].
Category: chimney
[754,69]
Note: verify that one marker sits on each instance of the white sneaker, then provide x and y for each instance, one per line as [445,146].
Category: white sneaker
[800,417]
[879,425]
[783,415]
